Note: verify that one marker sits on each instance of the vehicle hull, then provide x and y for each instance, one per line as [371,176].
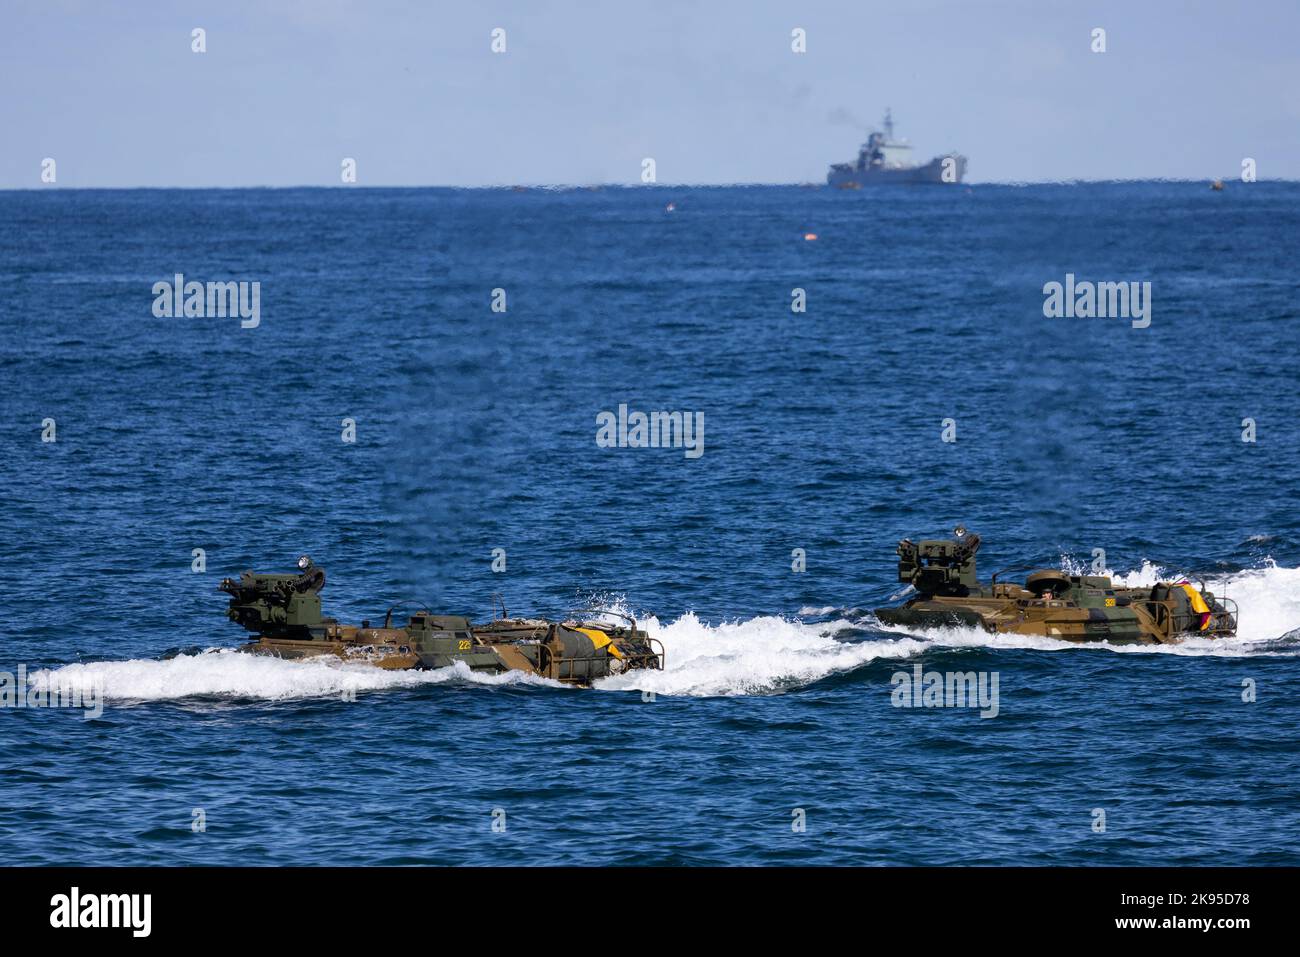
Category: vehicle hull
[570,653]
[1113,625]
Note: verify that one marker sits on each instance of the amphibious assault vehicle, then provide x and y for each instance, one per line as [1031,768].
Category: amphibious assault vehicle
[284,613]
[1051,602]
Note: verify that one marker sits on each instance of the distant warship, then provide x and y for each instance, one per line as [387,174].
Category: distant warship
[883,160]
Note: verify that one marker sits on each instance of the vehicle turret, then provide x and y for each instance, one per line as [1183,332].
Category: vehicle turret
[940,566]
[278,606]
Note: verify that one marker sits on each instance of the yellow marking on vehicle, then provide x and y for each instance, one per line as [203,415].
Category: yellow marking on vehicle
[600,640]
[1198,605]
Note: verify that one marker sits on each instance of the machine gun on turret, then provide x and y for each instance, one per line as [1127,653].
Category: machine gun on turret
[278,606]
[940,566]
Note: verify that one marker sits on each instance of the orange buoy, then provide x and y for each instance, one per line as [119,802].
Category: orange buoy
[809,237]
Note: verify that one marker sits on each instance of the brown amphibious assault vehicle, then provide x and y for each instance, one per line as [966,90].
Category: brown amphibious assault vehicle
[1051,602]
[284,613]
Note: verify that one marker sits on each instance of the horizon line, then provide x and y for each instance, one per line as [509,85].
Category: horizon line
[566,187]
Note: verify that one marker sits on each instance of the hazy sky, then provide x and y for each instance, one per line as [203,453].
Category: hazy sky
[585,90]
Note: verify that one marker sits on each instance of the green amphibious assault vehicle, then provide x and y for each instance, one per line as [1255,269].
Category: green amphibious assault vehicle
[284,613]
[1051,603]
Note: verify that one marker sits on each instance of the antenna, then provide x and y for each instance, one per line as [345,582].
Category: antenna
[889,123]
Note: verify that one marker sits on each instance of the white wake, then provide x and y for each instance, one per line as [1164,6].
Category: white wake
[762,655]
[232,674]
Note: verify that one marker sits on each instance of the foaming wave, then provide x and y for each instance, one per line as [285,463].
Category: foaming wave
[233,674]
[764,655]
[813,612]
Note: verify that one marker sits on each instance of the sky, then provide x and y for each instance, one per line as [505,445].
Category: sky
[585,91]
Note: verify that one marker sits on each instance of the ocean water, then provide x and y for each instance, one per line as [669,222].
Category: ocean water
[476,431]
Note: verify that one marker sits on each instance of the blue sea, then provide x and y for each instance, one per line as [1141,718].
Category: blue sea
[773,735]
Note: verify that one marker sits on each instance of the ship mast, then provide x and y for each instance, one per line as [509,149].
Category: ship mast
[889,123]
